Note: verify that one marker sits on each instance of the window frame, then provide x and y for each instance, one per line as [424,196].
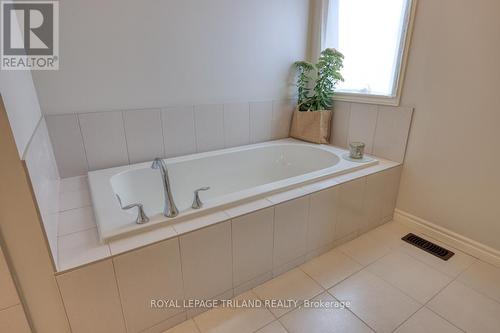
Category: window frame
[401,72]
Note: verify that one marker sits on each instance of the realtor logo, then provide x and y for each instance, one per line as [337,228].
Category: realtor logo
[29,35]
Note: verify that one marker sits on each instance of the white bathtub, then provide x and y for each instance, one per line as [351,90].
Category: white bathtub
[234,175]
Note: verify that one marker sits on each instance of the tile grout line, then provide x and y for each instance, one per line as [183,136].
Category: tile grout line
[164,320]
[224,126]
[163,133]
[77,231]
[440,316]
[119,295]
[425,306]
[473,288]
[63,303]
[365,267]
[193,108]
[66,210]
[122,114]
[83,140]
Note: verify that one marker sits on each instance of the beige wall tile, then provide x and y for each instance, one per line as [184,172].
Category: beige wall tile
[104,139]
[322,218]
[7,288]
[351,214]
[143,130]
[340,124]
[290,231]
[207,261]
[209,124]
[179,131]
[362,123]
[252,237]
[391,134]
[151,273]
[236,124]
[90,295]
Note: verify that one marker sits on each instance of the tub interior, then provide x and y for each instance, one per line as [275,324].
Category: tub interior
[224,173]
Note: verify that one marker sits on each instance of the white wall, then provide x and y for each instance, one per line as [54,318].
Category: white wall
[451,175]
[133,54]
[21,103]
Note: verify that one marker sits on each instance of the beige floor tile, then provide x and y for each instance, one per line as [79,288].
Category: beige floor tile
[397,230]
[452,267]
[194,311]
[427,321]
[413,277]
[13,320]
[293,285]
[186,327]
[377,303]
[274,327]
[234,319]
[167,324]
[323,320]
[330,268]
[376,243]
[484,278]
[467,309]
[371,246]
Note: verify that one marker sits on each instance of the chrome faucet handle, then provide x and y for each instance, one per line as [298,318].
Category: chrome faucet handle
[197,203]
[141,215]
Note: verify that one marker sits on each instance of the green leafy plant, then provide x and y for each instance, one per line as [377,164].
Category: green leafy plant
[327,74]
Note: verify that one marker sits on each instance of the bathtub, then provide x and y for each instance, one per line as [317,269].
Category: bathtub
[234,175]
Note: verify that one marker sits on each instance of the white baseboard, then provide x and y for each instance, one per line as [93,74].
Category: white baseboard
[462,243]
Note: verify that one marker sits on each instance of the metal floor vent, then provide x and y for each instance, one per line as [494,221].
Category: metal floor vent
[427,246]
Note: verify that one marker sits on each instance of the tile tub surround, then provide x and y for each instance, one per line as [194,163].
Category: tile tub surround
[384,129]
[217,256]
[89,141]
[44,177]
[381,302]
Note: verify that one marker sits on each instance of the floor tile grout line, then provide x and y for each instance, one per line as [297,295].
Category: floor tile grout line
[425,306]
[391,284]
[363,267]
[352,312]
[477,291]
[164,320]
[473,288]
[404,292]
[404,321]
[327,289]
[440,316]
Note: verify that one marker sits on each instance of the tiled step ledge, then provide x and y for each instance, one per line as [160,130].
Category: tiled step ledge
[79,245]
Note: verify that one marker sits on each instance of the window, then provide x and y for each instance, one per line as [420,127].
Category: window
[373,37]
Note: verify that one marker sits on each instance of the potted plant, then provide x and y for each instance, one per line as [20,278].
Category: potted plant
[312,117]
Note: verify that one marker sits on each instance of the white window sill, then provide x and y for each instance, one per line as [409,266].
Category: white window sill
[367,99]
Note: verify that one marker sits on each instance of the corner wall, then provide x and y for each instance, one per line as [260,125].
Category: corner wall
[23,239]
[451,177]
